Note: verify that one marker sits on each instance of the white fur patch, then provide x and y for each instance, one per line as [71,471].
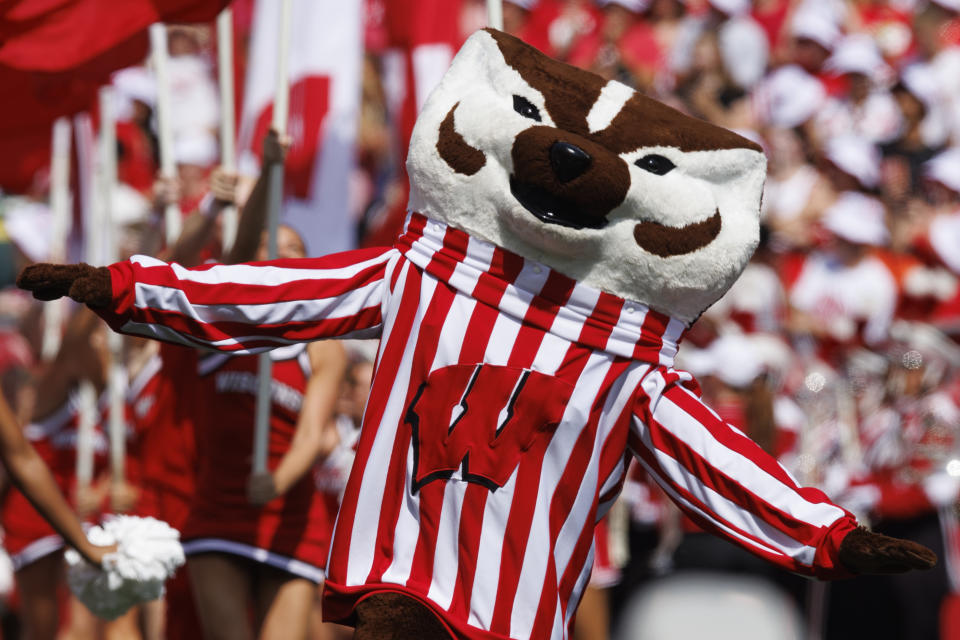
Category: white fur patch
[612,98]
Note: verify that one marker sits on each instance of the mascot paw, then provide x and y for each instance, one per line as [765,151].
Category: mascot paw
[863,551]
[83,283]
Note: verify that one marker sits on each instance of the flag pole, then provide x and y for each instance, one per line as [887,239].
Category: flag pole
[228,154]
[495,14]
[168,169]
[89,190]
[60,206]
[116,379]
[274,201]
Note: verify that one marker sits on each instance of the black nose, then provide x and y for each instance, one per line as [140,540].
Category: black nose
[568,161]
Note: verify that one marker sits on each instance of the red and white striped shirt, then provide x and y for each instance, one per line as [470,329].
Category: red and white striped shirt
[506,402]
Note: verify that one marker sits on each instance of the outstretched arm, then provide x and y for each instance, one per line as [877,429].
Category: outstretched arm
[728,485]
[34,479]
[244,308]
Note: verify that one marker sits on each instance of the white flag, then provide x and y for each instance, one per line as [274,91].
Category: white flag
[325,74]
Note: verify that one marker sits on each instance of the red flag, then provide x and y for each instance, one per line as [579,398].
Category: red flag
[423,36]
[324,67]
[55,35]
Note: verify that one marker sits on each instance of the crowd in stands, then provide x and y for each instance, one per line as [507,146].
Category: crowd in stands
[838,350]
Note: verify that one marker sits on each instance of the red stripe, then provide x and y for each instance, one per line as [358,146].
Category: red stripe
[524,504]
[597,327]
[475,340]
[564,497]
[203,333]
[383,380]
[395,490]
[709,476]
[738,442]
[525,348]
[296,289]
[651,342]
[757,547]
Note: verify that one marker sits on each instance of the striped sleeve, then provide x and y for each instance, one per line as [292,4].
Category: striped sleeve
[728,485]
[247,308]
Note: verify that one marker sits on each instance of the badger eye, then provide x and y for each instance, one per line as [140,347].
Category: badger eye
[525,108]
[655,164]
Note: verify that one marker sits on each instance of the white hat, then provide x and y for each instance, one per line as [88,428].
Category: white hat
[28,225]
[788,97]
[857,218]
[736,360]
[129,206]
[197,147]
[731,7]
[813,23]
[731,357]
[921,80]
[858,53]
[136,83]
[855,156]
[945,168]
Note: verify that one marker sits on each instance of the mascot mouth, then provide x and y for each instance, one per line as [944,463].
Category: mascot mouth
[552,209]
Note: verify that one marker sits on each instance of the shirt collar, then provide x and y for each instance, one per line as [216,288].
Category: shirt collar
[538,295]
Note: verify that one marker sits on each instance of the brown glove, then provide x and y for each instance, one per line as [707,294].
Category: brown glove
[391,616]
[83,283]
[863,551]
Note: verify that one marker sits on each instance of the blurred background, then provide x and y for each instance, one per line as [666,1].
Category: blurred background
[838,350]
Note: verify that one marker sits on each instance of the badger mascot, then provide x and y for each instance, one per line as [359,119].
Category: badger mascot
[564,232]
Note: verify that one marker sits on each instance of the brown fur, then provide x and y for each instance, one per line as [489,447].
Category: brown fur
[643,122]
[82,282]
[667,241]
[594,193]
[863,551]
[455,151]
[392,616]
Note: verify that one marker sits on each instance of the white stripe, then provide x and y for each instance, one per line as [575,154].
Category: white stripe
[609,103]
[557,631]
[346,305]
[724,512]
[263,275]
[406,531]
[581,584]
[502,338]
[464,277]
[683,502]
[257,554]
[446,557]
[741,469]
[536,557]
[373,481]
[576,523]
[550,354]
[408,525]
[493,530]
[671,341]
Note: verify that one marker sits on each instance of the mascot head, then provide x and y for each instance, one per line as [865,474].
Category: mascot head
[587,176]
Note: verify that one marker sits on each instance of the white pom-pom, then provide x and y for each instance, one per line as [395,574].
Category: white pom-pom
[148,554]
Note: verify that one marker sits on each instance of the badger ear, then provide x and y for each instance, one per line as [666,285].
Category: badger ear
[455,151]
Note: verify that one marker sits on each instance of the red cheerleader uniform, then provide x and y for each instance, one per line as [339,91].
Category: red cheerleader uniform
[162,408]
[28,537]
[291,532]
